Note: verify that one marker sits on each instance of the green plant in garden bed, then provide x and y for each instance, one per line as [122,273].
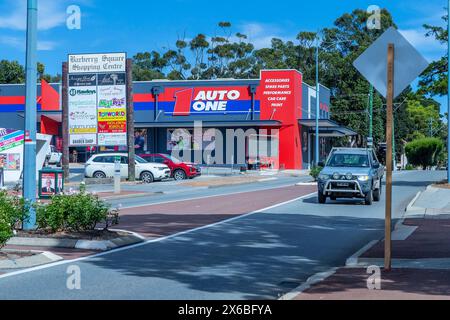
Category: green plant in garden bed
[12,211]
[315,171]
[75,212]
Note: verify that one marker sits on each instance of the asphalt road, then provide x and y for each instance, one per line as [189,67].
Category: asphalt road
[254,256]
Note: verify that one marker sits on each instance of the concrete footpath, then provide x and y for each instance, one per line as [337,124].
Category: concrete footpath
[420,253]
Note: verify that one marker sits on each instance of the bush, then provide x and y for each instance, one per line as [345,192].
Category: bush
[315,171]
[74,212]
[424,152]
[12,210]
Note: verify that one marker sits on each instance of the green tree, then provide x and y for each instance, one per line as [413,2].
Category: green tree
[434,79]
[11,72]
[424,152]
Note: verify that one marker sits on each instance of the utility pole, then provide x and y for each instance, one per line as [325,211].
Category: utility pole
[431,127]
[29,170]
[448,94]
[371,111]
[316,158]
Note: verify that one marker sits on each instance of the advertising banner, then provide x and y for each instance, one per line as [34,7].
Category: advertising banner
[112,112]
[10,139]
[97,100]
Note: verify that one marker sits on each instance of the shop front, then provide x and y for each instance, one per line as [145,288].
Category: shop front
[266,122]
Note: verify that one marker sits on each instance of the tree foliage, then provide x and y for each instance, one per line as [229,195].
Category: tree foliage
[424,152]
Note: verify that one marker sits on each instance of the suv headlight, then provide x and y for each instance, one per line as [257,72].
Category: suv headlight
[363,178]
[323,176]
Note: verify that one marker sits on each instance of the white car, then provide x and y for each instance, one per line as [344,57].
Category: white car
[102,165]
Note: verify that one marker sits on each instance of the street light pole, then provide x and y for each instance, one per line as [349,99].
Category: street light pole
[29,171]
[316,158]
[371,111]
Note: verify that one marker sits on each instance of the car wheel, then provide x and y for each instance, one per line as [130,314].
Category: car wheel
[179,175]
[99,175]
[147,177]
[377,193]
[321,197]
[368,199]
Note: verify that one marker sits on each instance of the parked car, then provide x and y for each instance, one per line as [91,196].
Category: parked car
[351,173]
[179,170]
[102,165]
[53,156]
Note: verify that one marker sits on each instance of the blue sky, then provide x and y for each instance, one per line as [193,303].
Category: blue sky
[139,25]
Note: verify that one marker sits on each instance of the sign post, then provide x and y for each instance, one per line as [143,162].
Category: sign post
[378,68]
[389,120]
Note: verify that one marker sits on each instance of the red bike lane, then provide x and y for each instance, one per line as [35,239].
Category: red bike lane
[164,219]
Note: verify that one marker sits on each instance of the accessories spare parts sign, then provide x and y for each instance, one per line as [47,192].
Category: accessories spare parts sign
[97,99]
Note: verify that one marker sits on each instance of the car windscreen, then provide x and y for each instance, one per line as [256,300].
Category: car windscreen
[348,160]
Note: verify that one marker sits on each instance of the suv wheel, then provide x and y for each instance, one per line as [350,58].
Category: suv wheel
[179,175]
[99,175]
[147,177]
[377,193]
[368,199]
[321,197]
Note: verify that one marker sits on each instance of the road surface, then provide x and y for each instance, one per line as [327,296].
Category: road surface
[258,255]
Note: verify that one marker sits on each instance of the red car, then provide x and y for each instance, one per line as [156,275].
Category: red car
[179,170]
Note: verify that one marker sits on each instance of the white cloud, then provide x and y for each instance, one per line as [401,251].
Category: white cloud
[428,46]
[51,14]
[261,35]
[19,43]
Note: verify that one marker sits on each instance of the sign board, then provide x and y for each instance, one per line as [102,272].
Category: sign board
[97,62]
[372,63]
[97,99]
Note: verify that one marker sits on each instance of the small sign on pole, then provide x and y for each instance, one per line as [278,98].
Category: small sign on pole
[390,64]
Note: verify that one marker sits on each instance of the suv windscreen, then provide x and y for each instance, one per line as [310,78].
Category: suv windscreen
[348,160]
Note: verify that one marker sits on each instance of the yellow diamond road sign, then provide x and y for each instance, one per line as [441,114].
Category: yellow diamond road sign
[408,62]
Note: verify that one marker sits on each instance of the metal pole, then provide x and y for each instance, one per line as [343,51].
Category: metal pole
[130,122]
[371,111]
[448,94]
[389,135]
[29,170]
[316,158]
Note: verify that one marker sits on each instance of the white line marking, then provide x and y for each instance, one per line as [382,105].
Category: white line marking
[151,240]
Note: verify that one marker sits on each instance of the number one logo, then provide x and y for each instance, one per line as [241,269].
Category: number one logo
[183,101]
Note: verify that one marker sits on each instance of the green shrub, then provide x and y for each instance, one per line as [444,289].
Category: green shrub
[74,212]
[12,210]
[315,171]
[409,167]
[424,152]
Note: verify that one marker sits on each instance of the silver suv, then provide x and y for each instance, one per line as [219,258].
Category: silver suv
[351,173]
